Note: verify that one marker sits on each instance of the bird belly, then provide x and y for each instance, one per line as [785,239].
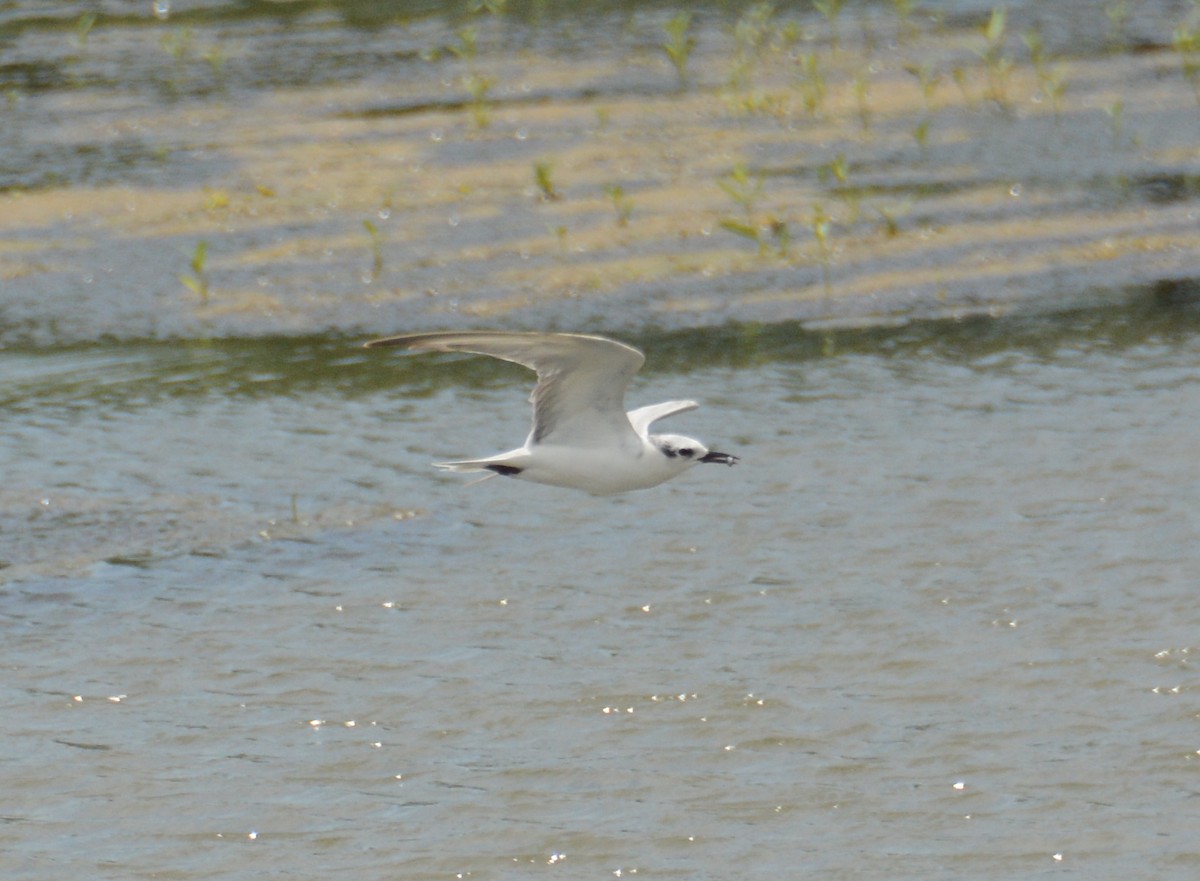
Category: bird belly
[601,471]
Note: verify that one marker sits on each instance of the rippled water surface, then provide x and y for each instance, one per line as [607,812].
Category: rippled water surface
[939,623]
[218,169]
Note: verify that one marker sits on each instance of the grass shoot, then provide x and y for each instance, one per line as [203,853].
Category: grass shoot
[831,10]
[197,282]
[1186,42]
[820,226]
[622,204]
[751,35]
[679,45]
[376,243]
[743,187]
[997,63]
[862,97]
[542,176]
[83,28]
[811,82]
[478,86]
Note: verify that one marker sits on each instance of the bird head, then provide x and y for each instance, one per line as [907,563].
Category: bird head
[685,451]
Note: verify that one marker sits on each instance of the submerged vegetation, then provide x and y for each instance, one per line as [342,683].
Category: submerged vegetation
[477,84]
[83,28]
[996,61]
[197,282]
[376,250]
[1186,42]
[811,151]
[621,203]
[543,176]
[679,45]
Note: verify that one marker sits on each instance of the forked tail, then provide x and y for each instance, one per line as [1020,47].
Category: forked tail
[470,466]
[467,466]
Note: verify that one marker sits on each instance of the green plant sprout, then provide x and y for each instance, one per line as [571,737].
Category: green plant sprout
[1186,41]
[862,98]
[742,187]
[1053,83]
[890,217]
[560,233]
[998,65]
[376,249]
[542,177]
[782,237]
[812,83]
[831,10]
[478,86]
[178,44]
[959,74]
[994,31]
[928,78]
[820,226]
[216,56]
[920,134]
[837,168]
[762,103]
[1051,78]
[1116,115]
[679,45]
[83,28]
[1118,17]
[215,200]
[789,34]
[745,230]
[468,45]
[745,188]
[904,11]
[622,204]
[839,171]
[750,36]
[197,282]
[1032,38]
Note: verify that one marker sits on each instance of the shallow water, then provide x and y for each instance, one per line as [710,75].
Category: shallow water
[234,170]
[939,623]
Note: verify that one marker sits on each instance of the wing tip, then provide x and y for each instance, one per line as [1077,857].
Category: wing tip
[384,342]
[449,338]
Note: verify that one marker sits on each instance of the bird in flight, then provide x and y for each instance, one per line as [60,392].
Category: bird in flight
[582,438]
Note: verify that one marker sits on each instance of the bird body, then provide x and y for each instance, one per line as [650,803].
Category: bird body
[582,438]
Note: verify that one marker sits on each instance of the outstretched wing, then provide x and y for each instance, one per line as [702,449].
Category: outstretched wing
[579,398]
[643,417]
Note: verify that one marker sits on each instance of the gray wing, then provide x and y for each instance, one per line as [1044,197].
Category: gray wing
[579,398]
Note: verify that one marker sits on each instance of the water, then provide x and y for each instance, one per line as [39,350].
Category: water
[939,623]
[209,175]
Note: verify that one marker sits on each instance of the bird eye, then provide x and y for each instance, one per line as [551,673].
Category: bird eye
[687,452]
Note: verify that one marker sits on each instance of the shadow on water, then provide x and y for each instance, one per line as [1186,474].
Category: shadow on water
[132,375]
